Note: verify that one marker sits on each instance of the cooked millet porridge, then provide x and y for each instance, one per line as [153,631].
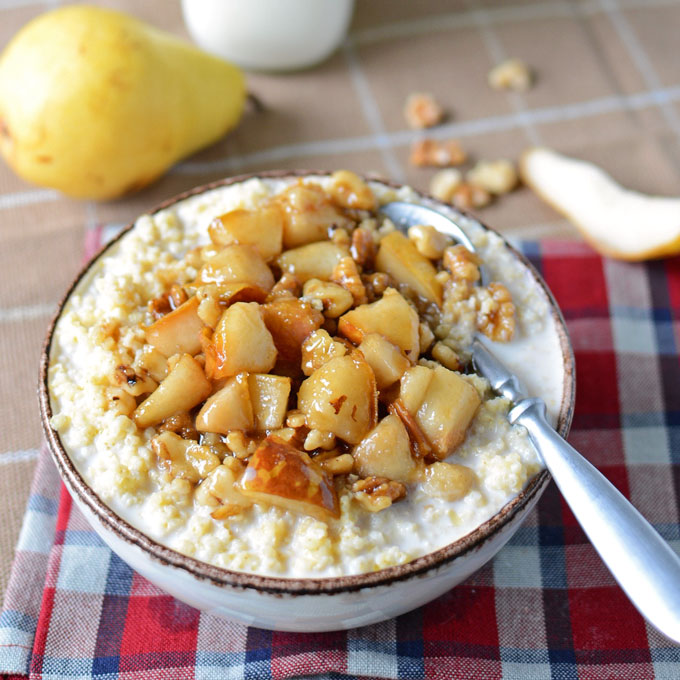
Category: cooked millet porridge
[344,431]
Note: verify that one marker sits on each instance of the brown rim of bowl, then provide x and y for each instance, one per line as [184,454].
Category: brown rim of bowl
[296,586]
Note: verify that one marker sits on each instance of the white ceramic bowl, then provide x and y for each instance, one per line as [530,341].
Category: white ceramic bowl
[304,604]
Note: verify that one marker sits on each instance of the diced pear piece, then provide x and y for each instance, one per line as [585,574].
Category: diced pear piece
[449,405]
[290,321]
[387,360]
[262,229]
[399,257]
[318,348]
[237,264]
[386,452]
[228,409]
[313,261]
[242,342]
[279,474]
[154,362]
[184,387]
[269,397]
[183,457]
[229,293]
[449,481]
[308,214]
[177,332]
[413,386]
[222,486]
[341,397]
[391,317]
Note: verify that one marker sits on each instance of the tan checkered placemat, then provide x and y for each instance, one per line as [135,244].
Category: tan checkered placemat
[608,89]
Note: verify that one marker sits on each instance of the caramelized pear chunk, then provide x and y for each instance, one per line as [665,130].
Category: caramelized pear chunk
[387,360]
[281,475]
[261,228]
[237,264]
[177,332]
[442,403]
[449,481]
[399,257]
[184,387]
[241,342]
[341,397]
[269,397]
[377,493]
[228,409]
[385,452]
[308,214]
[183,457]
[313,261]
[318,348]
[391,317]
[290,321]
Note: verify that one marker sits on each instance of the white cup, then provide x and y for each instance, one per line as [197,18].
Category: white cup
[269,35]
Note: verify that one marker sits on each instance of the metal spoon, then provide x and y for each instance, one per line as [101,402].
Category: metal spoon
[643,564]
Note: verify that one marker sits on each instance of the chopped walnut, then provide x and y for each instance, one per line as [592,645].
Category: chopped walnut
[340,237]
[512,74]
[227,510]
[333,298]
[377,493]
[422,111]
[376,284]
[497,177]
[318,439]
[295,419]
[347,275]
[177,295]
[182,424]
[166,303]
[470,196]
[428,240]
[134,382]
[496,316]
[462,263]
[338,465]
[239,444]
[364,247]
[287,286]
[123,402]
[444,183]
[431,152]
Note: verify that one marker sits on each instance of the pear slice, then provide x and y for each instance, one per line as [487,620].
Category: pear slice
[237,264]
[617,222]
[290,321]
[386,359]
[241,342]
[313,261]
[269,396]
[228,409]
[279,474]
[399,257]
[341,397]
[178,331]
[391,317]
[262,229]
[184,387]
[385,452]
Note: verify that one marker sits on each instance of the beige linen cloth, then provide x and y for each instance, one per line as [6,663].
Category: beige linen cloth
[607,89]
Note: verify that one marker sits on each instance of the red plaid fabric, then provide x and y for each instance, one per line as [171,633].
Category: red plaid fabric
[546,607]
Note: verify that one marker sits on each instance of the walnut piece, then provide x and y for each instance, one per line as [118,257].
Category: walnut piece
[428,240]
[431,152]
[462,263]
[497,177]
[444,183]
[422,111]
[469,196]
[496,316]
[511,74]
[377,493]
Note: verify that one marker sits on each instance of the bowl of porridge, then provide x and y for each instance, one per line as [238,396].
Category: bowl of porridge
[260,395]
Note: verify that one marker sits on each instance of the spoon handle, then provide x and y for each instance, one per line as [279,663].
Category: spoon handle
[640,560]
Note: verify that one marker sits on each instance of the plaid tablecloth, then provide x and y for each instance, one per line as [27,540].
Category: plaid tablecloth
[546,607]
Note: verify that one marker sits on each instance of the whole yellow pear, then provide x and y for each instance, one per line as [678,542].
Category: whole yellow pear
[97,104]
